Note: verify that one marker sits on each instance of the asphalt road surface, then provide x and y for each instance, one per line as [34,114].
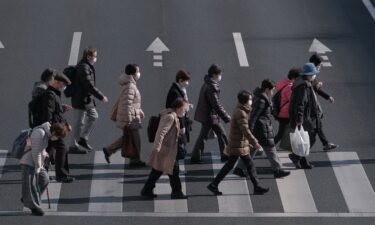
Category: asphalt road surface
[252,40]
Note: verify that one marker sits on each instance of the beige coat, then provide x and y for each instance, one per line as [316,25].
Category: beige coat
[240,137]
[129,107]
[164,149]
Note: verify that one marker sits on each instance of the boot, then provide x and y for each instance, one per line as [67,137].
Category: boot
[214,189]
[296,160]
[305,164]
[259,190]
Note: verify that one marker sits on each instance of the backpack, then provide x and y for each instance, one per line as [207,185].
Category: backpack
[276,101]
[20,144]
[35,109]
[70,72]
[152,128]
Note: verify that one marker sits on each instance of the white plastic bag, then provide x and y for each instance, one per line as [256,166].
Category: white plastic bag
[300,142]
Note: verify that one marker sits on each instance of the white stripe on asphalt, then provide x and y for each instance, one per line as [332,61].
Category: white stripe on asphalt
[163,203]
[3,159]
[240,49]
[107,183]
[294,190]
[355,186]
[236,196]
[369,7]
[326,64]
[158,57]
[158,64]
[324,57]
[73,59]
[1,45]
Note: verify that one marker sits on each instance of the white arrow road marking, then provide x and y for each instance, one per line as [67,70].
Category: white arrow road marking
[75,48]
[326,64]
[240,50]
[3,158]
[369,7]
[1,45]
[157,46]
[319,47]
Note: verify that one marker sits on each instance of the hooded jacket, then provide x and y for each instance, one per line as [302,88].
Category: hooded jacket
[286,91]
[209,103]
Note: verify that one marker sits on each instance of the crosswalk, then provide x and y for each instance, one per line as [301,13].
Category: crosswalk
[113,191]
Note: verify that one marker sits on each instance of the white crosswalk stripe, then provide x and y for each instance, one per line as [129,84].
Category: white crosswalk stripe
[3,154]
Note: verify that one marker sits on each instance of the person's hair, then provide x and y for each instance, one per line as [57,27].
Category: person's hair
[48,75]
[131,69]
[214,70]
[294,73]
[316,59]
[89,51]
[243,97]
[267,83]
[63,78]
[59,129]
[179,102]
[182,75]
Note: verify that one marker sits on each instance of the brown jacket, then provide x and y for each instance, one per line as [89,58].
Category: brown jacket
[164,149]
[129,107]
[240,137]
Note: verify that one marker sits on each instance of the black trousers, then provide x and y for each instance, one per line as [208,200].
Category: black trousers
[228,166]
[58,149]
[174,180]
[321,134]
[199,144]
[283,124]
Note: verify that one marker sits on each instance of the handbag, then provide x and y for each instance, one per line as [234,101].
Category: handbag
[181,150]
[300,142]
[114,110]
[129,149]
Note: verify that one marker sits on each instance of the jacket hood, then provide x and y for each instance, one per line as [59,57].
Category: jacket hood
[125,79]
[166,111]
[300,81]
[246,108]
[211,82]
[259,93]
[46,127]
[283,83]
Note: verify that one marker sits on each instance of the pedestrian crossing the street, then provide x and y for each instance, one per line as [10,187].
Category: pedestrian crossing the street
[115,190]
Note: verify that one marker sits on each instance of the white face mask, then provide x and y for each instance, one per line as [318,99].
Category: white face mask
[313,77]
[184,84]
[218,79]
[137,76]
[93,61]
[250,102]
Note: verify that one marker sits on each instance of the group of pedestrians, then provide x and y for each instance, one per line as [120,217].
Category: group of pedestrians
[251,125]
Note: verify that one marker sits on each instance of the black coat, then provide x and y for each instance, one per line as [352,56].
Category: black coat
[85,89]
[52,109]
[209,103]
[260,122]
[303,106]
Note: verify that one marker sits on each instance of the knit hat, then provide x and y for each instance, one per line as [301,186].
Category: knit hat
[309,69]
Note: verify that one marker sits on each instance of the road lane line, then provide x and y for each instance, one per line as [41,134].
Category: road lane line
[355,186]
[236,196]
[369,7]
[294,190]
[158,64]
[107,184]
[3,159]
[163,203]
[158,57]
[240,50]
[73,59]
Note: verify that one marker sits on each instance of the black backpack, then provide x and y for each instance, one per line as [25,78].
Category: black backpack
[70,72]
[152,128]
[35,109]
[276,101]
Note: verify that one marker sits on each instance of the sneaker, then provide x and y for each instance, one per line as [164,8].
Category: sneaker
[83,143]
[214,189]
[106,155]
[239,172]
[178,195]
[259,190]
[330,146]
[196,161]
[137,164]
[148,194]
[281,173]
[66,179]
[76,150]
[37,212]
[295,159]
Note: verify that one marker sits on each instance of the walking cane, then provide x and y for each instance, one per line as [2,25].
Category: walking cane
[49,203]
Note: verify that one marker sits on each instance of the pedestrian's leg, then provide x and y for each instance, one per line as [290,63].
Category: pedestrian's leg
[199,144]
[250,167]
[116,145]
[221,137]
[321,134]
[175,181]
[272,157]
[228,166]
[92,117]
[137,143]
[282,128]
[61,163]
[78,122]
[147,190]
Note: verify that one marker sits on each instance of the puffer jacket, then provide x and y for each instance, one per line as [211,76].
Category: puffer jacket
[240,137]
[209,103]
[129,107]
[286,91]
[260,122]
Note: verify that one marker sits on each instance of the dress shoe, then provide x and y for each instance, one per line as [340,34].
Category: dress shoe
[330,146]
[107,155]
[305,164]
[296,160]
[83,143]
[148,194]
[259,190]
[214,189]
[37,212]
[178,195]
[280,173]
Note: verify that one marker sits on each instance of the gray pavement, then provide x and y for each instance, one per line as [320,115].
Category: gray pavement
[276,35]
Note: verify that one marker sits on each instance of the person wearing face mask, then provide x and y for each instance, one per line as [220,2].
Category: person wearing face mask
[260,124]
[85,114]
[178,90]
[304,110]
[129,114]
[164,151]
[208,112]
[240,141]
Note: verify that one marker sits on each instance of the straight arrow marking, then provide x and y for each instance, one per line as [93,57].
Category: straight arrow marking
[1,45]
[157,46]
[240,50]
[319,47]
